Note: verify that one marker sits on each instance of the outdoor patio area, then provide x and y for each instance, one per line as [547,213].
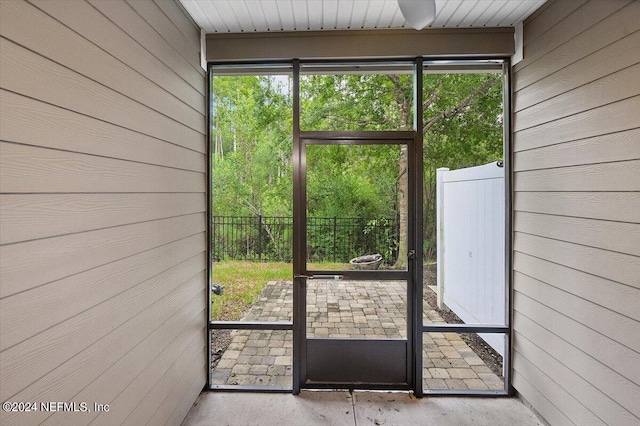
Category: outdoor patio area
[341,309]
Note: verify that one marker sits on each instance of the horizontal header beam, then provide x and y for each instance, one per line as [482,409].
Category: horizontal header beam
[449,42]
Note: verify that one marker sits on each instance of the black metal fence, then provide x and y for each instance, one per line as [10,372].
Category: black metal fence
[329,239]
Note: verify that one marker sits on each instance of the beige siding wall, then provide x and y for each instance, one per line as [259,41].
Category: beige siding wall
[102,191]
[577,213]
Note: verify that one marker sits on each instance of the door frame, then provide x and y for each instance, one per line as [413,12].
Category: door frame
[380,352]
[414,241]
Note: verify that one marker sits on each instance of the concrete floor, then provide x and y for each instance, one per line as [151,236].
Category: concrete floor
[361,408]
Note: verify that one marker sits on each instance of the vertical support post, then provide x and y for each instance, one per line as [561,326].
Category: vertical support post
[259,237]
[440,248]
[208,232]
[415,211]
[335,225]
[299,242]
[508,223]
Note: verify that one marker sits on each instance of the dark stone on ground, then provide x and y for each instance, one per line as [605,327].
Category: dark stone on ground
[220,341]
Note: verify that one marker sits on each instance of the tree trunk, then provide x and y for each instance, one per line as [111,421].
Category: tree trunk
[429,214]
[403,189]
[406,121]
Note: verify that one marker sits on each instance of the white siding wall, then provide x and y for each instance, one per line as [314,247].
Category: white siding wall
[577,213]
[102,191]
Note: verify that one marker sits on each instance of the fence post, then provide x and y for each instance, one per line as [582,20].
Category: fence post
[440,248]
[259,237]
[335,224]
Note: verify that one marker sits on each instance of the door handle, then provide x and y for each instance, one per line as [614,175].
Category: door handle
[327,277]
[320,277]
[411,255]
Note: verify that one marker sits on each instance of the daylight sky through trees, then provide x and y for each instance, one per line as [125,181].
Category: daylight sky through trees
[252,140]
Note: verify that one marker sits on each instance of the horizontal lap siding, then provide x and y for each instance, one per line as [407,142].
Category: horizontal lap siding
[576,213]
[102,209]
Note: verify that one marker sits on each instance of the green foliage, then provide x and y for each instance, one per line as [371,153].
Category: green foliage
[243,282]
[355,102]
[351,180]
[390,243]
[463,120]
[252,140]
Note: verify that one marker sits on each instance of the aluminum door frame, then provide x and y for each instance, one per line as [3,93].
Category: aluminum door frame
[317,356]
[415,233]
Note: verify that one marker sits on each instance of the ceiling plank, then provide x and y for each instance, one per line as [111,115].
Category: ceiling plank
[237,16]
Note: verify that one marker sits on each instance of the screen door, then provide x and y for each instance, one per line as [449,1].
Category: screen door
[357,319]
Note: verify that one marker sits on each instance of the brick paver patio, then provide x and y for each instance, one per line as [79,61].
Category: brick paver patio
[343,309]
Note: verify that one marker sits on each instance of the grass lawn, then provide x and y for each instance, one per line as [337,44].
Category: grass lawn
[243,282]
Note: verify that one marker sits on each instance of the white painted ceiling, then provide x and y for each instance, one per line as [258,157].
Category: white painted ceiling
[236,16]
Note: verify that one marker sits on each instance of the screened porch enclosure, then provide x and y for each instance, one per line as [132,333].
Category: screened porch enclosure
[297,204]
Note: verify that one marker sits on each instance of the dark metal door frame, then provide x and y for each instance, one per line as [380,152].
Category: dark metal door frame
[318,356]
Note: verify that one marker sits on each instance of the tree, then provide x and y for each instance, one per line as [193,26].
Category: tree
[462,124]
[252,142]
